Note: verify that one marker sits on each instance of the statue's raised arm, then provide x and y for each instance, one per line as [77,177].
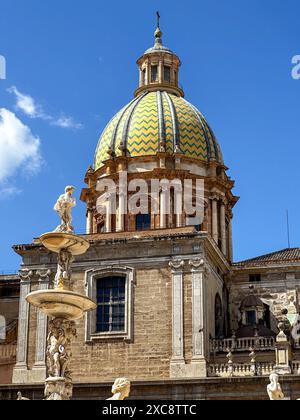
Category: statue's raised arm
[64,206]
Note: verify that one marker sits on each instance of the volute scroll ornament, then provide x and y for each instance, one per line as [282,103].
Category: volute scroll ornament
[176,264]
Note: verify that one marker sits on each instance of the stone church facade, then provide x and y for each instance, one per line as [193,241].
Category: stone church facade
[175,314]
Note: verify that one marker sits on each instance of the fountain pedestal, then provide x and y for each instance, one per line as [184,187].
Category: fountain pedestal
[63,307]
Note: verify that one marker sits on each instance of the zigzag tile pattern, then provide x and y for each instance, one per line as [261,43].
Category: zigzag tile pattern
[143,139]
[143,133]
[192,139]
[105,140]
[119,135]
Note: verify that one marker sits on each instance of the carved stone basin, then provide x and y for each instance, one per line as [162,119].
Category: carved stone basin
[61,303]
[55,242]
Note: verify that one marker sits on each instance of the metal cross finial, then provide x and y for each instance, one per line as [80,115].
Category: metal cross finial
[158,19]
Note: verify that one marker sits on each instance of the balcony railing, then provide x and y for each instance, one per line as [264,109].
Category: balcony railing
[240,369]
[242,344]
[7,351]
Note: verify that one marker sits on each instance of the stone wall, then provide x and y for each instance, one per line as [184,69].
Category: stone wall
[148,354]
[186,389]
[278,289]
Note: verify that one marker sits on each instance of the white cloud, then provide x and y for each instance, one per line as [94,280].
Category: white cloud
[32,109]
[19,148]
[67,122]
[9,192]
[26,104]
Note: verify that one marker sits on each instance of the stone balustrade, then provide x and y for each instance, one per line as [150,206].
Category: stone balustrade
[241,369]
[296,343]
[7,351]
[242,344]
[296,367]
[226,370]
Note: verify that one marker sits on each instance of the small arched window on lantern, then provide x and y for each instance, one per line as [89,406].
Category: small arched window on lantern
[154,73]
[167,74]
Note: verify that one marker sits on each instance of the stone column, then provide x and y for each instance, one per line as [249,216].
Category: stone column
[108,218]
[160,71]
[283,352]
[89,221]
[20,373]
[141,77]
[39,370]
[215,227]
[121,211]
[178,204]
[163,209]
[230,246]
[223,228]
[177,316]
[148,77]
[199,318]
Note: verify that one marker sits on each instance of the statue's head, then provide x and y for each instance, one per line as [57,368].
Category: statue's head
[70,189]
[121,385]
[274,378]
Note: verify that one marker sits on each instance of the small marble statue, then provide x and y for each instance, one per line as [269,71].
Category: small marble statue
[64,206]
[58,352]
[274,389]
[20,397]
[63,274]
[120,389]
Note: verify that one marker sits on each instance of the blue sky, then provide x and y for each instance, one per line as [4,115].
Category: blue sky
[76,60]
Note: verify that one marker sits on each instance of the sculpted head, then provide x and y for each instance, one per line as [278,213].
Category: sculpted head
[121,386]
[70,189]
[274,378]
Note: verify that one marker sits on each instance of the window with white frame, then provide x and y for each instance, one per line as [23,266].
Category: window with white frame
[112,290]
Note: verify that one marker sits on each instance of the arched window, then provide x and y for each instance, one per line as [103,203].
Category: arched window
[111,304]
[219,319]
[2,328]
[143,222]
[167,74]
[154,73]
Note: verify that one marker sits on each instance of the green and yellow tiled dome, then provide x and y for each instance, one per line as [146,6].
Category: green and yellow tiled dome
[156,118]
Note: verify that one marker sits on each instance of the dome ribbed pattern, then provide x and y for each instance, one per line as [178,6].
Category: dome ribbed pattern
[156,118]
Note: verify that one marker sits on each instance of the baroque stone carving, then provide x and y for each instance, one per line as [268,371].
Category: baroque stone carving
[63,274]
[176,264]
[197,263]
[64,206]
[58,389]
[274,389]
[25,275]
[61,332]
[120,389]
[44,275]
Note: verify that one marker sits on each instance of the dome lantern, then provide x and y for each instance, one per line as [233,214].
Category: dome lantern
[159,67]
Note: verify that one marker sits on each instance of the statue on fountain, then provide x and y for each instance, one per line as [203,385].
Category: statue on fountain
[61,332]
[63,275]
[64,206]
[120,389]
[62,305]
[274,389]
